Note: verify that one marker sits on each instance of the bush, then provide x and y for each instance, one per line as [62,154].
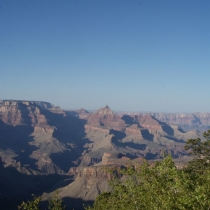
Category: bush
[161,187]
[55,203]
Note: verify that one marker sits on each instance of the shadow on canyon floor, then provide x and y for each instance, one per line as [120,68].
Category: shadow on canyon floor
[16,187]
[16,139]
[71,203]
[128,119]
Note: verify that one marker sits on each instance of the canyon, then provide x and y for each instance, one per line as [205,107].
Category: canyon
[68,149]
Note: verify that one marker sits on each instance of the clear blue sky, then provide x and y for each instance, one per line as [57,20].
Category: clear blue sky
[134,55]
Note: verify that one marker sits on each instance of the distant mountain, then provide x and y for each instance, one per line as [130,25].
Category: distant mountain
[80,113]
[200,121]
[105,118]
[190,121]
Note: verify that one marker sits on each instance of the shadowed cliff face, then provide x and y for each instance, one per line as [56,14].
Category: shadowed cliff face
[16,187]
[89,183]
[40,135]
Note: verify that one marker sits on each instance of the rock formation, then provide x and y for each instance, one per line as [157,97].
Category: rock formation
[39,138]
[105,118]
[199,121]
[35,133]
[89,183]
[132,135]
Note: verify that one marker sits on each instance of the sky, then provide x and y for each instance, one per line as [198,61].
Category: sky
[133,55]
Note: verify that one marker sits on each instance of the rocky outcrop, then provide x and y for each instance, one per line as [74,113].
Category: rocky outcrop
[134,129]
[114,159]
[83,114]
[92,172]
[105,159]
[88,160]
[80,113]
[73,170]
[106,118]
[89,183]
[148,122]
[104,111]
[14,112]
[90,128]
[21,113]
[31,132]
[50,168]
[44,129]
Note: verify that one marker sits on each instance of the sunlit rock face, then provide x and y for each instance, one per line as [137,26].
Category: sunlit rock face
[89,183]
[14,112]
[105,118]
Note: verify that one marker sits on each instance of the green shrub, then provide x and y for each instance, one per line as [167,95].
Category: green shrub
[55,203]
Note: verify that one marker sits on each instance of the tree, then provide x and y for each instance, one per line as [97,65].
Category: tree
[30,205]
[161,186]
[55,203]
[200,150]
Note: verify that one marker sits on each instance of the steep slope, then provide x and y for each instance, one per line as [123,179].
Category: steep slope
[132,136]
[16,187]
[39,135]
[80,113]
[106,119]
[89,183]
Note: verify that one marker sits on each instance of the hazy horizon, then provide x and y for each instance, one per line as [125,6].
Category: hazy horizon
[116,111]
[137,56]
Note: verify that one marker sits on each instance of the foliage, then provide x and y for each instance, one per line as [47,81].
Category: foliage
[30,205]
[200,150]
[161,186]
[55,203]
